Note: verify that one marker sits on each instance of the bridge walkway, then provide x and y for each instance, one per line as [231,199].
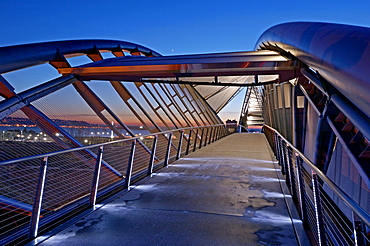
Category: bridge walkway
[227,193]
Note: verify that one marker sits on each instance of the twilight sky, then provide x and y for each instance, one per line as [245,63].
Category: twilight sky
[169,27]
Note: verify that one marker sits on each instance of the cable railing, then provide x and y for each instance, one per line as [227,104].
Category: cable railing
[42,191]
[329,213]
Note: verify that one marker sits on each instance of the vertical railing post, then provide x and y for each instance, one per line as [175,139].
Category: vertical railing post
[279,152]
[214,134]
[275,136]
[287,167]
[293,176]
[206,136]
[210,135]
[168,151]
[318,210]
[195,140]
[223,132]
[201,138]
[36,209]
[359,231]
[130,164]
[95,182]
[178,155]
[152,155]
[189,142]
[282,157]
[301,191]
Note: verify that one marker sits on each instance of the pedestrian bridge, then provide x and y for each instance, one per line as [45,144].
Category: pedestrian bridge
[227,193]
[109,140]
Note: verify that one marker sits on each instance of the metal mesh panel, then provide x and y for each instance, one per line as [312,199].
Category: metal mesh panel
[141,160]
[20,137]
[338,227]
[175,142]
[184,142]
[117,155]
[161,147]
[348,178]
[17,188]
[330,219]
[68,178]
[80,122]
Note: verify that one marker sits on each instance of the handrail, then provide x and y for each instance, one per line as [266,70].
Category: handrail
[360,212]
[2,163]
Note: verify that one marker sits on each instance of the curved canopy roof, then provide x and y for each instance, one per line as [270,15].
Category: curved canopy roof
[340,53]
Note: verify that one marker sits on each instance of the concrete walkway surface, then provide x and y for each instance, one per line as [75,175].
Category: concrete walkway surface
[227,193]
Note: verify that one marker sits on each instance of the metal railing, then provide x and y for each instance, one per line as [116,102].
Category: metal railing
[329,213]
[41,191]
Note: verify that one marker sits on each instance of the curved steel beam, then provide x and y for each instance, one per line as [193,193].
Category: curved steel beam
[27,55]
[340,53]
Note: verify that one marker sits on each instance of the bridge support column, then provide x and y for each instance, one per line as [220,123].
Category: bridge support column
[95,183]
[36,210]
[130,164]
[179,147]
[167,157]
[152,155]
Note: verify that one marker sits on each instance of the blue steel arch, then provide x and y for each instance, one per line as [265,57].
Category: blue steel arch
[26,55]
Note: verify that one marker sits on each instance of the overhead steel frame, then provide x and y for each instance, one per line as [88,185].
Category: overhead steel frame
[56,53]
[325,114]
[157,107]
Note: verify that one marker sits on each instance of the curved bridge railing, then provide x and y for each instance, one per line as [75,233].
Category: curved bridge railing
[56,195]
[317,197]
[325,114]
